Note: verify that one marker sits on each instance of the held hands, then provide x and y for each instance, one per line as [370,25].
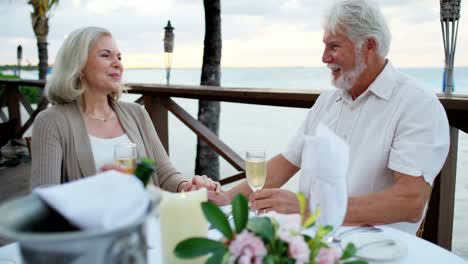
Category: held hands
[113,166]
[281,201]
[199,182]
[219,198]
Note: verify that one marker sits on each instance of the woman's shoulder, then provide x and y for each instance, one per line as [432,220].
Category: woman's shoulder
[54,112]
[129,107]
[50,118]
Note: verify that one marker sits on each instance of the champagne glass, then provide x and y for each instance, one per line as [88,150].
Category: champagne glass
[255,169]
[125,154]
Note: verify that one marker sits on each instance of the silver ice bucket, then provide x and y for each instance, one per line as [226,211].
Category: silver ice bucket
[44,236]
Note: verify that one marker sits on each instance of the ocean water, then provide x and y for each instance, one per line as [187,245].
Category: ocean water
[246,126]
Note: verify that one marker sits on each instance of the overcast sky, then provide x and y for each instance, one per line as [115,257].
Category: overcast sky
[259,33]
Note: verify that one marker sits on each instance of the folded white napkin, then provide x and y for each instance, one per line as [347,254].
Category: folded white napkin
[323,175]
[104,201]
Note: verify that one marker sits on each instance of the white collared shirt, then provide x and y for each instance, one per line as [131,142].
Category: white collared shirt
[395,125]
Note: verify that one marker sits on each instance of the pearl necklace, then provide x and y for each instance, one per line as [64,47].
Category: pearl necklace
[104,119]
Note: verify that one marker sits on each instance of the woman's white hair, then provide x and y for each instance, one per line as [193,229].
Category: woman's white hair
[359,20]
[64,85]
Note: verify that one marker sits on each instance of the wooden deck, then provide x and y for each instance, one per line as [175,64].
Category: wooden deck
[14,181]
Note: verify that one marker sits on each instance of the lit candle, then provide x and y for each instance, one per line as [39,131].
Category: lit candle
[181,217]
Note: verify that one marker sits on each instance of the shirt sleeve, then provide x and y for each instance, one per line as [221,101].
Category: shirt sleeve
[46,152]
[293,151]
[421,141]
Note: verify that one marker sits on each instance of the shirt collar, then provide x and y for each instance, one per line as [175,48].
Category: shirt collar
[384,84]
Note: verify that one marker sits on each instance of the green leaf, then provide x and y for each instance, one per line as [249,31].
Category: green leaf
[349,251]
[218,258]
[197,247]
[311,219]
[240,211]
[217,219]
[263,227]
[323,230]
[269,259]
[302,203]
[356,262]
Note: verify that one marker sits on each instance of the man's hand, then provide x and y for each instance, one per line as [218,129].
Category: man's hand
[219,198]
[278,200]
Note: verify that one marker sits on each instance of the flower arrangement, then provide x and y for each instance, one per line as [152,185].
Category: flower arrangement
[269,238]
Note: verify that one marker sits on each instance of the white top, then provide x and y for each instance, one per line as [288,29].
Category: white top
[395,125]
[103,149]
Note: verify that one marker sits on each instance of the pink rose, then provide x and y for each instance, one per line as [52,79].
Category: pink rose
[247,248]
[328,256]
[298,249]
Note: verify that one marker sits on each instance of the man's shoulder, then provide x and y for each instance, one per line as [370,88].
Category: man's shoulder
[329,95]
[412,89]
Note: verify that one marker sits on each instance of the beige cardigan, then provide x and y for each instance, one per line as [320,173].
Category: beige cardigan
[61,150]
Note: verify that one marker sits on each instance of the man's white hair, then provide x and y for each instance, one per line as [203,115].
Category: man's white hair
[359,20]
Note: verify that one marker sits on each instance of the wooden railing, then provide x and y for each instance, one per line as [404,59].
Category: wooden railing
[158,102]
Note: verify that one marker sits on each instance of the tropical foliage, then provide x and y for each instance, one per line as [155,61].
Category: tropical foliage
[42,10]
[31,94]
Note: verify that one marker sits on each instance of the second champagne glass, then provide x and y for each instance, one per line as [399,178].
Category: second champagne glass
[255,169]
[125,154]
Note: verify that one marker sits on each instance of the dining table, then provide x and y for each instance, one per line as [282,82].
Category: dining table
[416,250]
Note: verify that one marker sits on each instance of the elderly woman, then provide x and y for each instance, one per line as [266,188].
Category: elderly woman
[75,138]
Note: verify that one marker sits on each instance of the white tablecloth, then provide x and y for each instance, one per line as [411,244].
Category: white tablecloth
[419,250]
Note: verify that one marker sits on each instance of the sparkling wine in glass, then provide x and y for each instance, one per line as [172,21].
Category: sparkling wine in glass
[125,154]
[255,169]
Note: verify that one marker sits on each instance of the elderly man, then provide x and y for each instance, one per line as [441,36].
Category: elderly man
[396,128]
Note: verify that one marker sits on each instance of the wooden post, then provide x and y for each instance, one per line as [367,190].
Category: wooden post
[159,116]
[439,218]
[13,105]
[447,193]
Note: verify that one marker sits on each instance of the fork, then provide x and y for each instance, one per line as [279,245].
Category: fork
[367,228]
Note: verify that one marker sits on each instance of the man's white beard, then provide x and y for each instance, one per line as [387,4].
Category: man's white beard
[349,78]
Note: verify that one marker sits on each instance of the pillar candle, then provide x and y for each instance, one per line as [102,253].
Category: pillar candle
[181,217]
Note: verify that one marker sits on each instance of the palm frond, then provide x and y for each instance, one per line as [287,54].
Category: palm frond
[42,8]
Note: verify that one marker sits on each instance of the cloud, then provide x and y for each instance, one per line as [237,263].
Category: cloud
[255,33]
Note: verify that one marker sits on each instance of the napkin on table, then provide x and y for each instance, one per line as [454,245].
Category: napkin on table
[105,201]
[323,175]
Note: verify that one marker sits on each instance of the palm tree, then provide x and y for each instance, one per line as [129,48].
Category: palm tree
[42,10]
[207,161]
